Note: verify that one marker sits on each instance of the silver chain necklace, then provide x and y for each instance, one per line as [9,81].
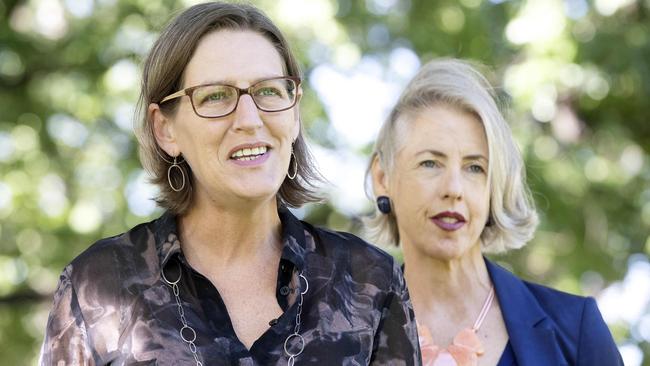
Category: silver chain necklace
[190,334]
[296,328]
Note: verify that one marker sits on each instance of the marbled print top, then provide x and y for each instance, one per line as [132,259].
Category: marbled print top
[112,307]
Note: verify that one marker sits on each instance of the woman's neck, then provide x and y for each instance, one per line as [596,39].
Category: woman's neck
[451,288]
[221,237]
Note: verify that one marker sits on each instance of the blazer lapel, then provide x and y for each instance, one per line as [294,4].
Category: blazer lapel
[531,334]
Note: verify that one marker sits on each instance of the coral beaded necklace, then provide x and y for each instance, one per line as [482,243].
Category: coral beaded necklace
[465,348]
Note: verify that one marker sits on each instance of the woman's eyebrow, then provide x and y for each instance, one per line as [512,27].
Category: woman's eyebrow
[475,157]
[432,152]
[440,154]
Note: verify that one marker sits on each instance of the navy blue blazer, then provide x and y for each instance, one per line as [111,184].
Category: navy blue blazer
[550,327]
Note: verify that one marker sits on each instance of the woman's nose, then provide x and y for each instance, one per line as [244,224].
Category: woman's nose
[247,116]
[452,187]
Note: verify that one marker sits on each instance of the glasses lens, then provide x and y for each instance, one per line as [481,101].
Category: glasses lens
[275,94]
[214,100]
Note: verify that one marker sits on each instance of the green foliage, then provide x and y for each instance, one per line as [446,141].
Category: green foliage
[577,80]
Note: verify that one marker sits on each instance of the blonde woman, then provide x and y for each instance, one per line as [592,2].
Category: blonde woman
[449,183]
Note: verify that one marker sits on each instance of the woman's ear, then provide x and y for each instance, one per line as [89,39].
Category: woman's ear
[380,181]
[163,129]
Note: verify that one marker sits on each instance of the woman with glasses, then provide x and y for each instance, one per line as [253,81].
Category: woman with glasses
[450,186]
[227,275]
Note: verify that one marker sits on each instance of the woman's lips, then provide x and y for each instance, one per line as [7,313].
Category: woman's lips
[449,221]
[252,160]
[250,154]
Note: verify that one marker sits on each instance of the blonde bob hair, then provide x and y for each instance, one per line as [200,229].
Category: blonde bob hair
[456,83]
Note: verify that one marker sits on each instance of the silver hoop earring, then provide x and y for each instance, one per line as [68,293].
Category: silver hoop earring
[169,176]
[295,166]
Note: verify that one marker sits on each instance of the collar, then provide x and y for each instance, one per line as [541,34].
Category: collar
[168,243]
[531,333]
[294,245]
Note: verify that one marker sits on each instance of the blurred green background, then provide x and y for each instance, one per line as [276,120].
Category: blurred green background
[575,72]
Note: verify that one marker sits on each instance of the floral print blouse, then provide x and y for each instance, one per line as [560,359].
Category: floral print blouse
[112,307]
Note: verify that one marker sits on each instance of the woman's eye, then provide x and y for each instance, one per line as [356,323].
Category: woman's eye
[269,92]
[428,164]
[475,168]
[215,97]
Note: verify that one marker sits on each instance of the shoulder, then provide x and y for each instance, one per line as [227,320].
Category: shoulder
[334,245]
[575,320]
[568,310]
[530,298]
[354,257]
[113,257]
[344,243]
[564,309]
[578,320]
[564,306]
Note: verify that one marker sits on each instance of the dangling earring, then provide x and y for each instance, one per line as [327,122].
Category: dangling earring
[295,165]
[169,175]
[383,204]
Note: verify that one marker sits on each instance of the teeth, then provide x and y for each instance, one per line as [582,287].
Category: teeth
[449,220]
[249,153]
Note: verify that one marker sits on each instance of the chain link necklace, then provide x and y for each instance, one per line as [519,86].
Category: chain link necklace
[188,334]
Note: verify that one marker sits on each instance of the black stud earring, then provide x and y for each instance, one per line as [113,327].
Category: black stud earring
[489,221]
[383,204]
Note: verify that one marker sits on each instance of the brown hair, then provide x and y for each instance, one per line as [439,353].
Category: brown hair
[163,74]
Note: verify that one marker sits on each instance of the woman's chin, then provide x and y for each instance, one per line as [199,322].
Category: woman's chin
[446,255]
[255,186]
[257,193]
[447,250]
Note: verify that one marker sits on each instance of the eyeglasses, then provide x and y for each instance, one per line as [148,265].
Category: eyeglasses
[219,100]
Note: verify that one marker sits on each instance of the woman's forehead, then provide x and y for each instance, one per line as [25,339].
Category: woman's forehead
[233,57]
[441,128]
